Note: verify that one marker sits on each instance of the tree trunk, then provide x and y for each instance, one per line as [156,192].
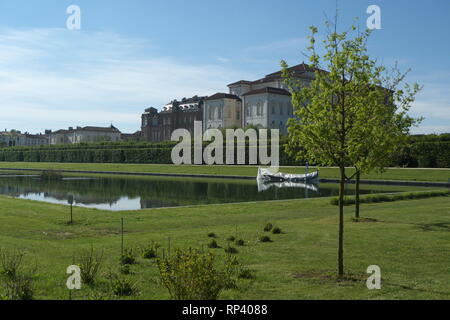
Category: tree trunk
[358,175]
[341,224]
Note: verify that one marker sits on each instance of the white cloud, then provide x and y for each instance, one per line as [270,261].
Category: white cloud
[55,77]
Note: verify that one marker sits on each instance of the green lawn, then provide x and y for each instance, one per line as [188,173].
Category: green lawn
[390,174]
[410,243]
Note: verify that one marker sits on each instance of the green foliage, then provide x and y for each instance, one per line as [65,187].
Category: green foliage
[240,242]
[150,251]
[128,257]
[268,227]
[230,250]
[211,235]
[392,197]
[276,230]
[213,244]
[122,286]
[265,239]
[10,262]
[20,287]
[193,275]
[231,238]
[90,263]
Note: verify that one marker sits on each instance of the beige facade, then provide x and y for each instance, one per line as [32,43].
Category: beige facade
[222,110]
[85,134]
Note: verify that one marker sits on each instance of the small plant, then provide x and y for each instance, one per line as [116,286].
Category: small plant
[265,239]
[122,286]
[20,287]
[276,230]
[90,264]
[231,238]
[150,251]
[213,244]
[10,262]
[194,275]
[231,250]
[211,235]
[125,269]
[245,273]
[128,257]
[240,242]
[268,227]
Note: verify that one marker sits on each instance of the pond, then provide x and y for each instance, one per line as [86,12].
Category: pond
[135,193]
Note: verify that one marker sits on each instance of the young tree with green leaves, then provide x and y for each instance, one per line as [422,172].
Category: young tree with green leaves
[344,111]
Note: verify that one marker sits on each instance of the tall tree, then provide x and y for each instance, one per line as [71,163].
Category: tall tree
[344,110]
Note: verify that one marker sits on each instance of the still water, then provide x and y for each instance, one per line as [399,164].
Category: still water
[139,193]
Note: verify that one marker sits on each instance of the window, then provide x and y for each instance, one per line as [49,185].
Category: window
[273,108]
[238,114]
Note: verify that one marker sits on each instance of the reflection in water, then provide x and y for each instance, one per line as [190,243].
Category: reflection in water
[155,192]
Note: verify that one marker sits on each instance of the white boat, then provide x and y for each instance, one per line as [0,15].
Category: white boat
[267,175]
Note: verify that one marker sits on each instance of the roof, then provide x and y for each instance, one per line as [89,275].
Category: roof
[297,70]
[240,82]
[99,129]
[268,90]
[221,95]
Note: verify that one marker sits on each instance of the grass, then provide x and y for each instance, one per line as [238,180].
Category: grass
[409,241]
[409,174]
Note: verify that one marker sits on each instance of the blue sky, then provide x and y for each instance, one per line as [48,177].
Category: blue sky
[130,55]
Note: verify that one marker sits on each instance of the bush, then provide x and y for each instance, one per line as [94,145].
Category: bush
[122,286]
[128,257]
[125,269]
[211,235]
[231,239]
[265,239]
[268,227]
[213,244]
[240,242]
[392,197]
[150,251]
[193,275]
[231,250]
[245,273]
[276,230]
[20,287]
[10,262]
[90,264]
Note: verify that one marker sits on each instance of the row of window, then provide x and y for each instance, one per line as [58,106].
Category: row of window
[275,108]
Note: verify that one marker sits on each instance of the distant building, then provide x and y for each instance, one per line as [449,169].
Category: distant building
[158,126]
[84,134]
[267,102]
[15,138]
[222,110]
[131,136]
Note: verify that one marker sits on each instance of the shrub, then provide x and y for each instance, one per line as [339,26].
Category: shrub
[231,238]
[125,269]
[245,273]
[231,250]
[150,251]
[193,275]
[10,262]
[276,230]
[265,239]
[90,264]
[20,287]
[268,227]
[240,242]
[128,257]
[213,244]
[122,286]
[211,235]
